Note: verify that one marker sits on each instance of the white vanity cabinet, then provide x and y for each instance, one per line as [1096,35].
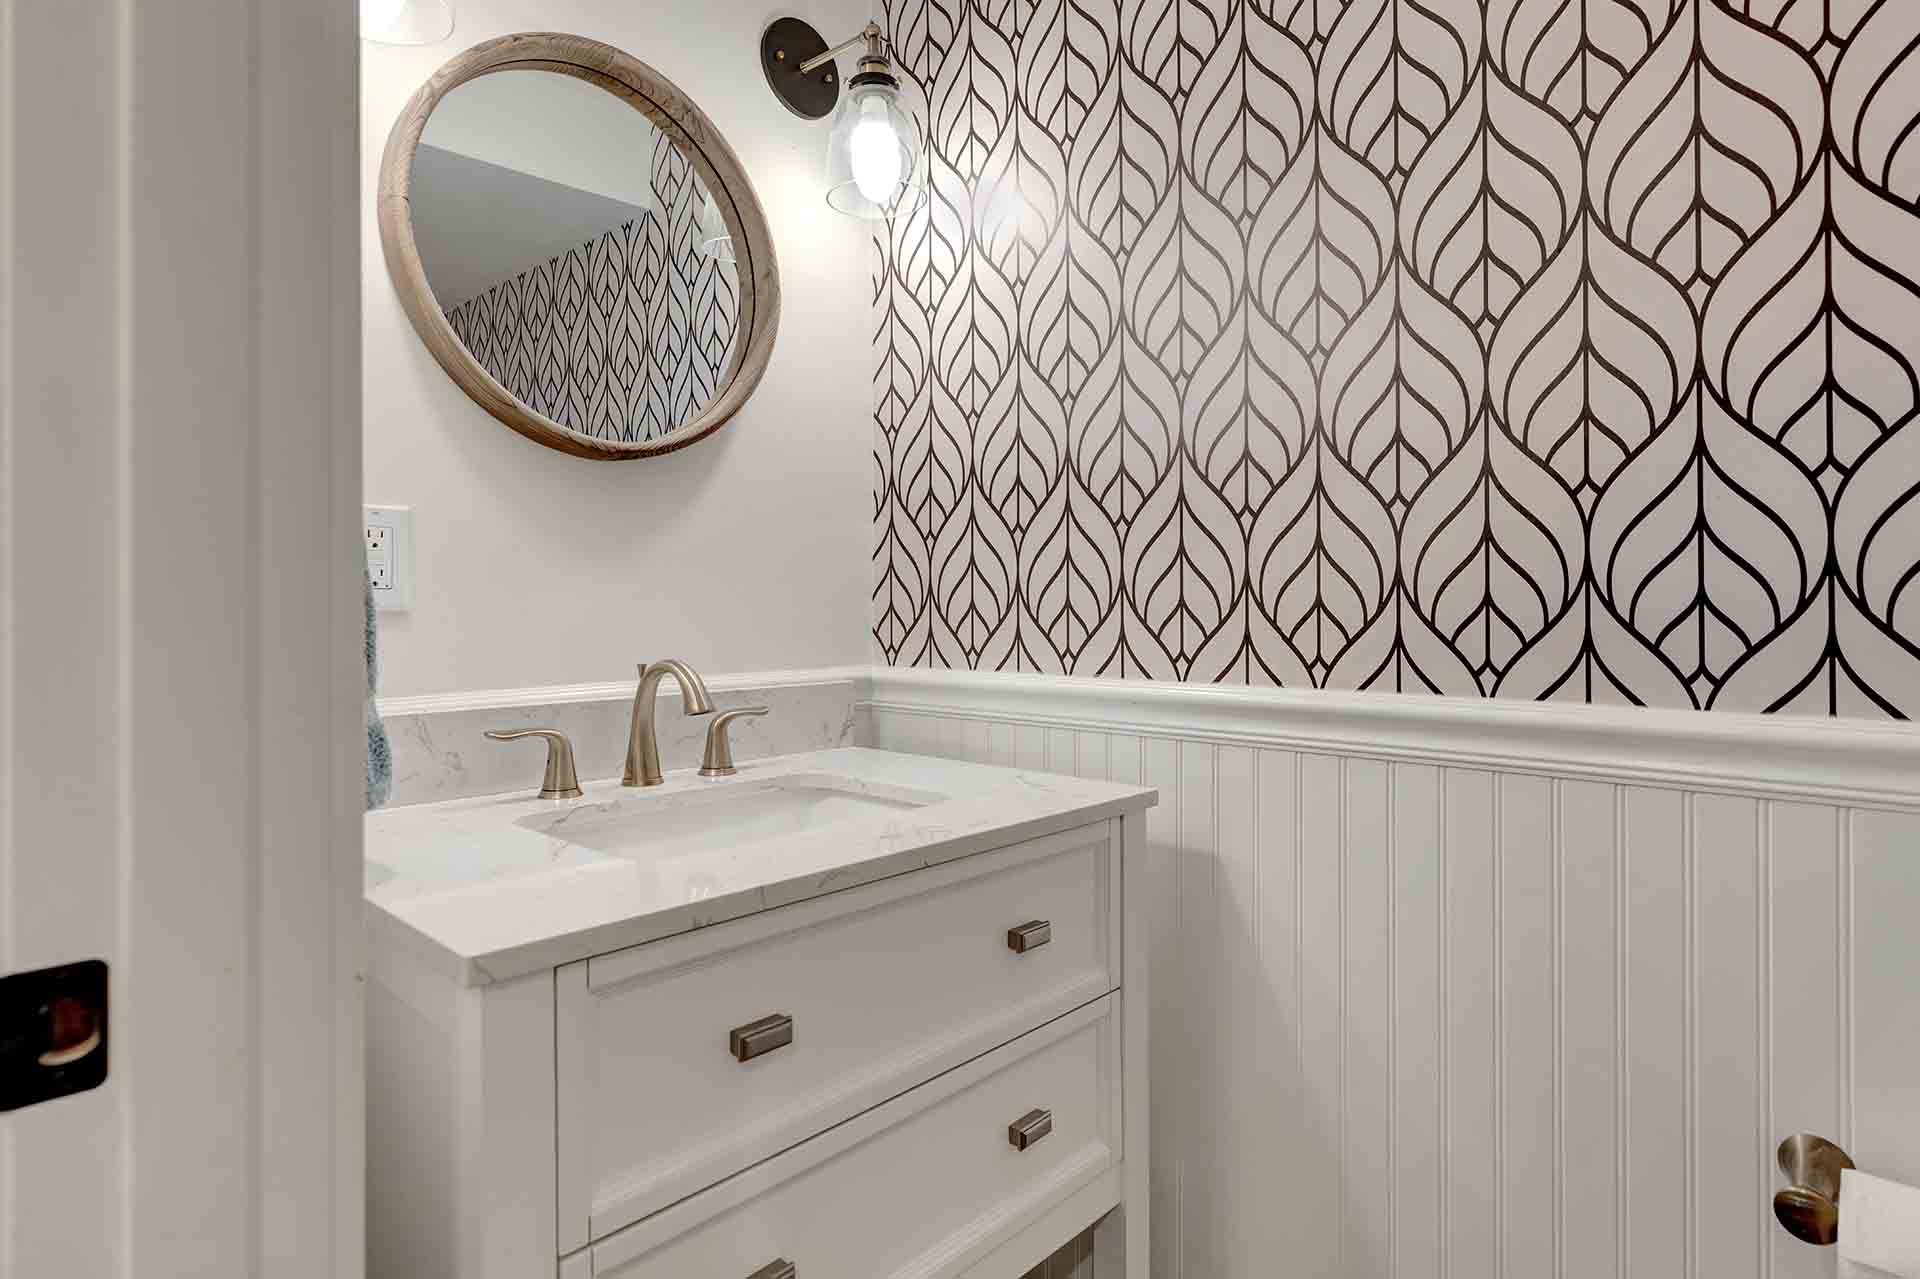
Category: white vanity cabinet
[936,1072]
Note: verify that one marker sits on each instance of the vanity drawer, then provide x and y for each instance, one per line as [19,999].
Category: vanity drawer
[917,1186]
[672,1075]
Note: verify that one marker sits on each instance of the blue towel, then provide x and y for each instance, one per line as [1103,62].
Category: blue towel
[379,752]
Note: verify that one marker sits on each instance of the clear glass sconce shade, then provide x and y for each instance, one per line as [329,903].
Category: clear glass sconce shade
[873,154]
[715,240]
[406,21]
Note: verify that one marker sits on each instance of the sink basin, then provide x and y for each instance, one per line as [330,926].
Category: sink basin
[726,814]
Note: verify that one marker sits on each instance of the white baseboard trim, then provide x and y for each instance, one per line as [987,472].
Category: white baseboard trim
[1832,760]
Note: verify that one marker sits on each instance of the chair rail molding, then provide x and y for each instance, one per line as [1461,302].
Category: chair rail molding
[1838,760]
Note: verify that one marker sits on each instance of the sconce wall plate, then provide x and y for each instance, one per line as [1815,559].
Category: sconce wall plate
[785,45]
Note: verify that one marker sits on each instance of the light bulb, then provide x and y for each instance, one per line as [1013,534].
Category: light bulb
[874,152]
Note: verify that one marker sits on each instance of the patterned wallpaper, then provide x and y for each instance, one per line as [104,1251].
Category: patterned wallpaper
[1491,347]
[627,336]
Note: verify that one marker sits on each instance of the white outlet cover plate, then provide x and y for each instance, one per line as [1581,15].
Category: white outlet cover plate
[397,594]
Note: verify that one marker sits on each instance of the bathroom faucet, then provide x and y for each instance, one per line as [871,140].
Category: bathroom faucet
[643,743]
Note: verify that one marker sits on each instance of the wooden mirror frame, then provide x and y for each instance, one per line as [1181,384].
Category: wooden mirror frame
[680,121]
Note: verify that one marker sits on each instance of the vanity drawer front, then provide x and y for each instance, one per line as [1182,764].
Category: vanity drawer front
[676,1068]
[925,1184]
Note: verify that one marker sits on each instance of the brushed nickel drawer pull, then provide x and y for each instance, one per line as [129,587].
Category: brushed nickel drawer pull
[1031,935]
[781,1269]
[762,1036]
[1030,1128]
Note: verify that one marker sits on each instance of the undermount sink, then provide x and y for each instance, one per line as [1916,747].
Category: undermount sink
[640,825]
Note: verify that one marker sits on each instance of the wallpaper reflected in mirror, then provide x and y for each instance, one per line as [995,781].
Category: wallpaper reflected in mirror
[576,253]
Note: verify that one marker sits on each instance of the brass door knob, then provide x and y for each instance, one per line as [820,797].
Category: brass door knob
[1810,1207]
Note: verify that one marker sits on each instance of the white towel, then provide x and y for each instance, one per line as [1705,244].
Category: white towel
[1879,1228]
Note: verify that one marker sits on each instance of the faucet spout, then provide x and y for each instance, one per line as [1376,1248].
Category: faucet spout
[643,741]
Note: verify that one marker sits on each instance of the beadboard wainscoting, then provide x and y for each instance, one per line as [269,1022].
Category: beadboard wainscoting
[1474,989]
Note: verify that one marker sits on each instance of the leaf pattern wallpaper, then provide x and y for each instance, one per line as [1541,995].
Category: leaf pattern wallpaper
[1520,348]
[627,337]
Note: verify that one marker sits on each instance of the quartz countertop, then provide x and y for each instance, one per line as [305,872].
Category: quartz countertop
[497,887]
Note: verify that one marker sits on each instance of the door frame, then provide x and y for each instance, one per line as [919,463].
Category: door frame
[181,672]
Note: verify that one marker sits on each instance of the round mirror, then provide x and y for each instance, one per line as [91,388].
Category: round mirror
[579,247]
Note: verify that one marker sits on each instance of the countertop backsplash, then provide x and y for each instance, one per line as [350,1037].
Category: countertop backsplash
[440,753]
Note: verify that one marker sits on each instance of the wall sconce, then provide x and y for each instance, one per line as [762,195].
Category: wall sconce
[406,21]
[873,149]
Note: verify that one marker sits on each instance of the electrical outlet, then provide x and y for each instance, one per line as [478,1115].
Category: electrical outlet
[389,533]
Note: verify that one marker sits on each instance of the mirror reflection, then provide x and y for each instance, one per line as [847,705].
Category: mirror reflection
[576,253]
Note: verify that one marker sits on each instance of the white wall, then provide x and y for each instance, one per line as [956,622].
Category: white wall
[747,551]
[1457,988]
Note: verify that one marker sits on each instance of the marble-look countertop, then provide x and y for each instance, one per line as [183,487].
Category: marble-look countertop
[488,889]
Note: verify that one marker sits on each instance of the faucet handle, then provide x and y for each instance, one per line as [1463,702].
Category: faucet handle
[561,781]
[719,757]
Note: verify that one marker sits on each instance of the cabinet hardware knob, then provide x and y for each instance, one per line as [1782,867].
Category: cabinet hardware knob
[1029,1128]
[1810,1207]
[781,1269]
[762,1036]
[1031,935]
